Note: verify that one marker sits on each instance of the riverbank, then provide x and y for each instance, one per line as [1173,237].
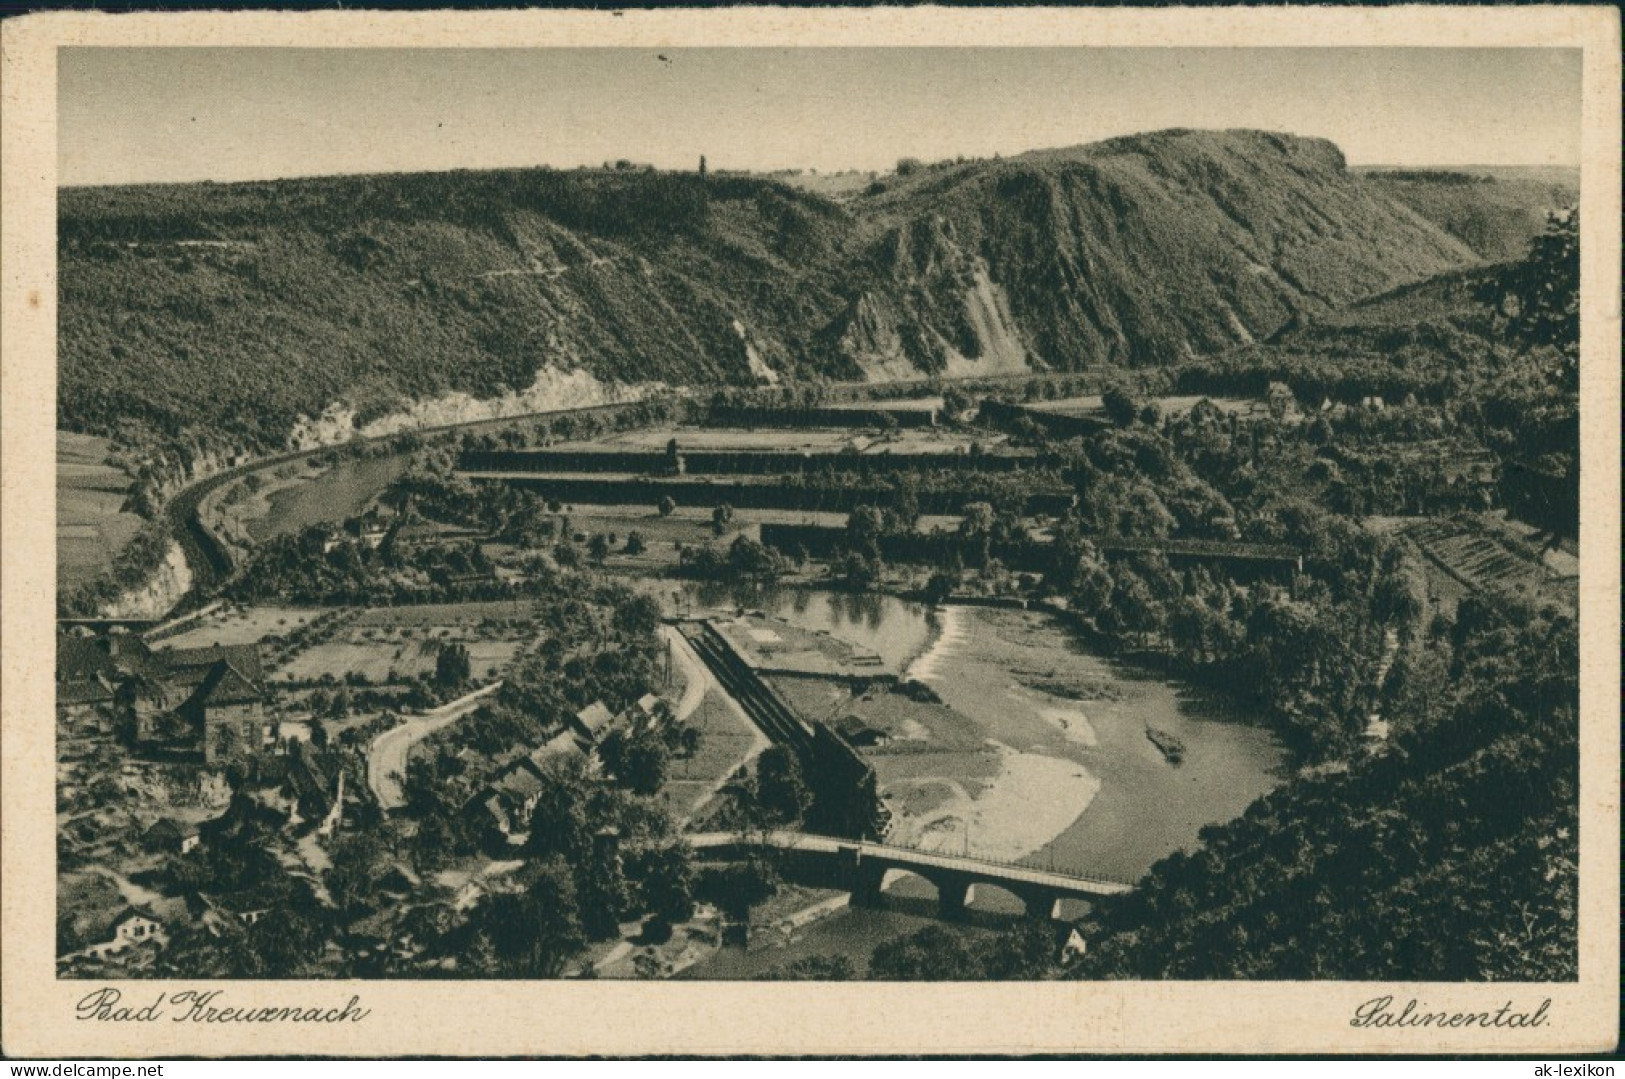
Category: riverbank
[948,625]
[1031,800]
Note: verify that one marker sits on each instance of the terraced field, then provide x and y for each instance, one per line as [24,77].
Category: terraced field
[1477,558]
[91,523]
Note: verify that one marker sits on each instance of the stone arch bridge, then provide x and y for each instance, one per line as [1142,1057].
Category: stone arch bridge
[862,868]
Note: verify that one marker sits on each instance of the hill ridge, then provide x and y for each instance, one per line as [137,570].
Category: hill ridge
[374,291]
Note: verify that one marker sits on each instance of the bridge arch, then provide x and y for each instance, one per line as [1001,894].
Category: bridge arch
[907,884]
[998,898]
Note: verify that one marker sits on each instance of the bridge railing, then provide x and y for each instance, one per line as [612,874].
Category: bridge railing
[788,840]
[981,859]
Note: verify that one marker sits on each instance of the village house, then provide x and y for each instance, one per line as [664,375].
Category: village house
[248,906]
[859,734]
[200,700]
[591,724]
[1071,945]
[127,928]
[172,836]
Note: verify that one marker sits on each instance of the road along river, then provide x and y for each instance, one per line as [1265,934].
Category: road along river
[388,753]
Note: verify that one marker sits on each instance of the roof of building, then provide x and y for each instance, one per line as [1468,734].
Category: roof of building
[519,785]
[192,665]
[562,743]
[96,689]
[108,656]
[97,926]
[224,684]
[169,828]
[595,717]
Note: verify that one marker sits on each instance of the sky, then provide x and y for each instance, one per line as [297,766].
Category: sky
[128,115]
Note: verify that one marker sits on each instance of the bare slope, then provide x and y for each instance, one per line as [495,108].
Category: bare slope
[1151,248]
[237,308]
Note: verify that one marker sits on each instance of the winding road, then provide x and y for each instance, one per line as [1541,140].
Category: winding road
[386,756]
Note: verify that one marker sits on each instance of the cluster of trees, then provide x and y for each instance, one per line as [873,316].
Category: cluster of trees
[1468,821]
[1305,651]
[597,855]
[746,560]
[1024,951]
[925,489]
[638,755]
[296,568]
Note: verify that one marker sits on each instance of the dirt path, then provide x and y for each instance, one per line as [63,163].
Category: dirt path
[696,679]
[386,757]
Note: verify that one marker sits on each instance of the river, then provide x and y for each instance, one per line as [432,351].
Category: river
[1061,782]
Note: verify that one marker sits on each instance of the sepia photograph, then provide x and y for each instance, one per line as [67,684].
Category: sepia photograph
[918,514]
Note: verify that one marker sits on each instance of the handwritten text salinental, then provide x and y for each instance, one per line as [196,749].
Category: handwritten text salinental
[1382,1012]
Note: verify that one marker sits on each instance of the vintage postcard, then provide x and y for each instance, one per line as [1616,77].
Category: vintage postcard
[805,532]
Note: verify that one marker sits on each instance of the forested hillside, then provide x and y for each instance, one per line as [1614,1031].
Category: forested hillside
[1454,855]
[1494,212]
[238,308]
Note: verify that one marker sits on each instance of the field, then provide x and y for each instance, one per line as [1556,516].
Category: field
[704,438]
[382,644]
[727,739]
[1484,554]
[91,524]
[901,404]
[242,625]
[447,614]
[390,650]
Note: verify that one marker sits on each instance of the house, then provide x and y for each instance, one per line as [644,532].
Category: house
[249,905]
[370,530]
[649,706]
[225,708]
[172,836]
[859,734]
[127,928]
[228,711]
[591,724]
[519,789]
[562,744]
[506,803]
[148,705]
[89,669]
[1071,944]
